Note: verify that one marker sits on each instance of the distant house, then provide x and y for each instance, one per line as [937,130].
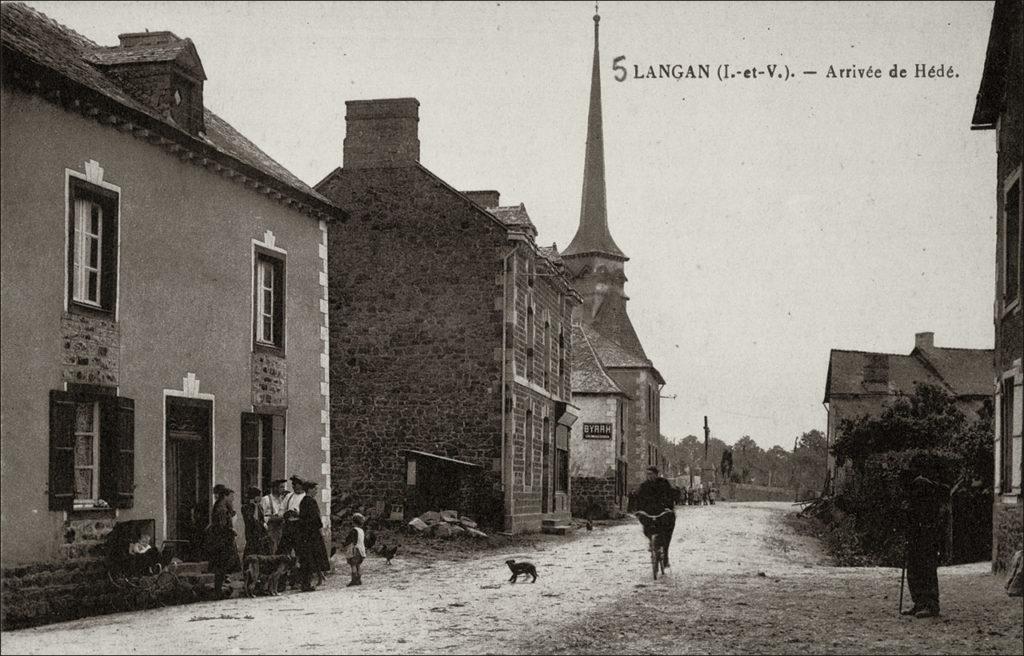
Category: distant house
[450,337]
[1000,107]
[864,383]
[164,297]
[599,463]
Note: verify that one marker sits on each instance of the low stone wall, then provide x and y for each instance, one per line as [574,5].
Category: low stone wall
[1007,533]
[593,497]
[58,591]
[744,492]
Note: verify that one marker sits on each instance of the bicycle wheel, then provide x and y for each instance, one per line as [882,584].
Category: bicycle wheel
[654,557]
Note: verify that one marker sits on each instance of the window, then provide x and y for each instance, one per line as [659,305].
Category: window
[87,452]
[530,337]
[528,440]
[1012,245]
[92,246]
[262,449]
[1006,436]
[269,297]
[547,353]
[92,449]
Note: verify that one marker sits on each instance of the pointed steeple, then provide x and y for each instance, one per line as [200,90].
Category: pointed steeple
[592,236]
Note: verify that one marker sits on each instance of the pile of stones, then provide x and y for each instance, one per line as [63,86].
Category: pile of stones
[445,524]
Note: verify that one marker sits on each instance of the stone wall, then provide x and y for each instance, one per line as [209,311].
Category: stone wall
[1007,533]
[594,497]
[92,349]
[744,492]
[415,331]
[269,379]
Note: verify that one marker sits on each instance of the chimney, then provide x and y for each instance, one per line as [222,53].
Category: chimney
[133,39]
[924,340]
[487,199]
[381,133]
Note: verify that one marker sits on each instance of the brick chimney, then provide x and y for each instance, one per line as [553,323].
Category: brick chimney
[924,340]
[133,39]
[381,133]
[486,199]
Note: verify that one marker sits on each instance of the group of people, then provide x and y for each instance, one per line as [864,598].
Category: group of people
[277,523]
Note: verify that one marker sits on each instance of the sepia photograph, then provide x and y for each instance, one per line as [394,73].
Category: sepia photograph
[511,327]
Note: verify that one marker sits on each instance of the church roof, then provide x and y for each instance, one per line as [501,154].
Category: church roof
[593,236]
[588,376]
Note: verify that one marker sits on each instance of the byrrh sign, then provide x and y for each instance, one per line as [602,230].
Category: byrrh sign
[597,431]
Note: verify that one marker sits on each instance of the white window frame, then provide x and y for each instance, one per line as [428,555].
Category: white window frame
[93,174]
[95,467]
[84,239]
[264,267]
[1013,178]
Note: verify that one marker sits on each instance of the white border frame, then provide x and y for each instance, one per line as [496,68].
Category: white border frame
[93,175]
[187,391]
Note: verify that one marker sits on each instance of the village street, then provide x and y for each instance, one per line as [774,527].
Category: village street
[741,580]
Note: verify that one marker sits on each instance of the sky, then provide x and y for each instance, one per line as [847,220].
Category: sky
[767,221]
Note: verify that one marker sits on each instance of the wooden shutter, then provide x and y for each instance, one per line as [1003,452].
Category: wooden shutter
[108,281]
[62,450]
[250,449]
[279,302]
[278,451]
[117,451]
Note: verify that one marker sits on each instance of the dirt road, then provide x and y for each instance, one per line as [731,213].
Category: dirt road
[594,594]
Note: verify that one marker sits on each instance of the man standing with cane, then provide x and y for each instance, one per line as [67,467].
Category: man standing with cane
[924,539]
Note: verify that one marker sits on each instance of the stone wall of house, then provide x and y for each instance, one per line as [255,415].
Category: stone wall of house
[593,497]
[269,379]
[416,311]
[1007,533]
[92,349]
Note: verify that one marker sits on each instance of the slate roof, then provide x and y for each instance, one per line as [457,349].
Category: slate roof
[514,216]
[961,372]
[588,376]
[31,34]
[116,55]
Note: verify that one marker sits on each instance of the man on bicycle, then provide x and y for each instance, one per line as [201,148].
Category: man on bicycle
[655,495]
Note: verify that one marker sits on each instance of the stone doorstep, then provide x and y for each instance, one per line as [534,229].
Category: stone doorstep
[560,529]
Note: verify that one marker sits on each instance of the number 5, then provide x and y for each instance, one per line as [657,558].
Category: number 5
[620,70]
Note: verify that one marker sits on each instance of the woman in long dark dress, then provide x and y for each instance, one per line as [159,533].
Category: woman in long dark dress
[220,539]
[257,540]
[309,544]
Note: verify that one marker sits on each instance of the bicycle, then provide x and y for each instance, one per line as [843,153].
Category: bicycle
[658,549]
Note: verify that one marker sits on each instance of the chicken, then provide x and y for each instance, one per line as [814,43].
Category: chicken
[387,553]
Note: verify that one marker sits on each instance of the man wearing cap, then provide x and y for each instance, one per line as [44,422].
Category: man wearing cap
[924,541]
[655,495]
[290,525]
[309,545]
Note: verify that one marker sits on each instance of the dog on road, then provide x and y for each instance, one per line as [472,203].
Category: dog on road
[262,574]
[524,568]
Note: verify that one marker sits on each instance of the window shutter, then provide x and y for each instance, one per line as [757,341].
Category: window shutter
[108,283]
[279,303]
[277,454]
[62,450]
[117,452]
[125,491]
[250,449]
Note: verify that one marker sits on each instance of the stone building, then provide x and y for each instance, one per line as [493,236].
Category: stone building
[151,347]
[1000,107]
[861,383]
[450,339]
[597,268]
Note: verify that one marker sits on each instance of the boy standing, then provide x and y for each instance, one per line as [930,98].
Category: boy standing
[355,543]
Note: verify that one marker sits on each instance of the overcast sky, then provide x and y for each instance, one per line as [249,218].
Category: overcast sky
[766,221]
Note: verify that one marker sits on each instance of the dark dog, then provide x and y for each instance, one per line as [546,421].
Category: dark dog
[526,569]
[263,573]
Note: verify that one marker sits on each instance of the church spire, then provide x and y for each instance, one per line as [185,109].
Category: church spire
[592,236]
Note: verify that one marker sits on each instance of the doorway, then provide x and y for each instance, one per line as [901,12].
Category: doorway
[189,472]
